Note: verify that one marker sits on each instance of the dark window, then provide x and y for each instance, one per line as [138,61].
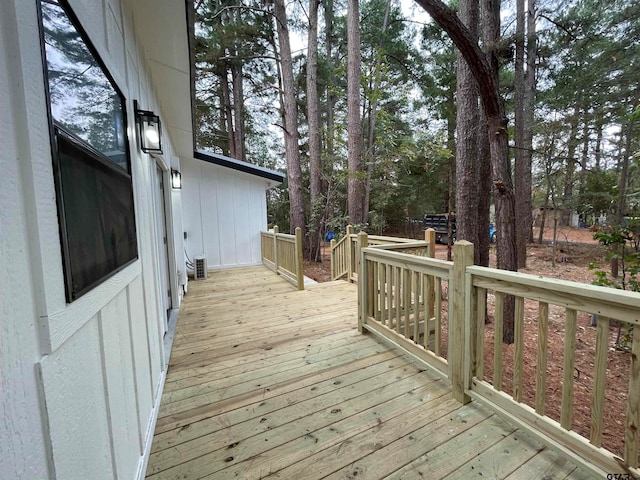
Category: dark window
[91,161]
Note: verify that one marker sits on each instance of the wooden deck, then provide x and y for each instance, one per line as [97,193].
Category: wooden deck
[269,382]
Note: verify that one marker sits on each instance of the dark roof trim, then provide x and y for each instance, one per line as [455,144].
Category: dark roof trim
[234,164]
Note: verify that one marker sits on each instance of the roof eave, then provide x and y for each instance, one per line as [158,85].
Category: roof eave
[239,165]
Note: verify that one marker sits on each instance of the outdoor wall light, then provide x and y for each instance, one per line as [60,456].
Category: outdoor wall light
[176,179]
[149,129]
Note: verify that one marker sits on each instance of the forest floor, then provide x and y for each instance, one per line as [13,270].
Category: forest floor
[575,251]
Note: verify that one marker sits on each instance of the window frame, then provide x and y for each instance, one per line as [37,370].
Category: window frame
[86,149]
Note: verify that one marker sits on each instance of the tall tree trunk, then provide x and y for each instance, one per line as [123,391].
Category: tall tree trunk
[227,113]
[356,180]
[373,112]
[290,117]
[520,166]
[466,138]
[238,108]
[484,192]
[485,71]
[451,172]
[599,132]
[525,88]
[584,155]
[529,105]
[570,170]
[623,167]
[313,113]
[549,192]
[503,187]
[328,21]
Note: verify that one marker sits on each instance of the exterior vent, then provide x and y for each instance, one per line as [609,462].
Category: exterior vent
[200,270]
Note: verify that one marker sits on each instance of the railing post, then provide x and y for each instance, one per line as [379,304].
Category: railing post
[299,263]
[363,284]
[333,266]
[362,241]
[462,258]
[349,254]
[430,236]
[275,247]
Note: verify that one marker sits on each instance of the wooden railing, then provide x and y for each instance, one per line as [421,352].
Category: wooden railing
[345,253]
[340,256]
[401,299]
[282,253]
[394,304]
[567,299]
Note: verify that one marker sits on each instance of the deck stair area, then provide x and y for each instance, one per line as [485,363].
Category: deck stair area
[267,381]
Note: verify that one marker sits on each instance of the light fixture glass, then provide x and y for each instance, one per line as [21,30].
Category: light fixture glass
[176,179]
[150,130]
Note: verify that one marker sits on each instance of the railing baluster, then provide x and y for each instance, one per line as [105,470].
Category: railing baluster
[416,306]
[481,317]
[497,341]
[389,278]
[518,366]
[406,290]
[275,247]
[375,266]
[425,311]
[632,433]
[437,309]
[541,357]
[600,381]
[297,253]
[397,279]
[384,295]
[566,412]
[371,282]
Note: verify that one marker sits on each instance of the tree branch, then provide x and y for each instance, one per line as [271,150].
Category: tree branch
[469,49]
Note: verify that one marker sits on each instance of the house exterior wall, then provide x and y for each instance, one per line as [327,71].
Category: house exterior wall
[223,213]
[79,383]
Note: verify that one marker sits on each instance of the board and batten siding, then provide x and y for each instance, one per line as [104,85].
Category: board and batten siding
[80,383]
[224,211]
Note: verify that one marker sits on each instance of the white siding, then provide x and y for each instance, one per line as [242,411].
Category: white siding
[141,357]
[223,213]
[74,389]
[22,443]
[115,336]
[79,382]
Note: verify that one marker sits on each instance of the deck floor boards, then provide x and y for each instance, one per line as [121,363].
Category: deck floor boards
[265,381]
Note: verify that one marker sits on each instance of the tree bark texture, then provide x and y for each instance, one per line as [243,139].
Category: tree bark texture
[290,117]
[313,114]
[328,20]
[503,193]
[485,71]
[467,136]
[570,170]
[529,101]
[451,175]
[484,191]
[623,167]
[228,113]
[238,109]
[373,112]
[520,160]
[356,174]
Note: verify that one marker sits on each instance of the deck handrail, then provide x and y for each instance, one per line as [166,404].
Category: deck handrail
[394,306]
[609,305]
[345,253]
[282,253]
[340,255]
